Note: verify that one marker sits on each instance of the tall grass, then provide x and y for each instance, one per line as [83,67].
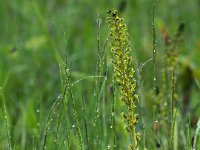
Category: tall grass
[115,104]
[6,121]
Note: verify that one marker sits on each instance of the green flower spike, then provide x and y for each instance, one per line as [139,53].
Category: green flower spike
[123,71]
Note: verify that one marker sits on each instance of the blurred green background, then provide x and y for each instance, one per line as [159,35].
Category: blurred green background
[33,32]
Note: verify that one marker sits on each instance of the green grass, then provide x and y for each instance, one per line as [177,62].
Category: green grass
[42,104]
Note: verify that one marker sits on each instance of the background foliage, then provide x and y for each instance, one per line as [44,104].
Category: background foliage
[35,35]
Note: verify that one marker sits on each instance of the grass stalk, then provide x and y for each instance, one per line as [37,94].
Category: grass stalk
[60,118]
[75,113]
[154,49]
[6,123]
[49,121]
[100,83]
[194,146]
[85,125]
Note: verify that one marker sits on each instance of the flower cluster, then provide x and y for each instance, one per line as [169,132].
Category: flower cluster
[173,49]
[123,70]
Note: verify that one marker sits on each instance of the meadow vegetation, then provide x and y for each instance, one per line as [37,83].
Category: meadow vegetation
[99,74]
